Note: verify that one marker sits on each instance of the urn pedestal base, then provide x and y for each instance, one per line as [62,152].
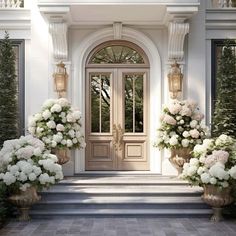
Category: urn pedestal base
[217,199]
[23,201]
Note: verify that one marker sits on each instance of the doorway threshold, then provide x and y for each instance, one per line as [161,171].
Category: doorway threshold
[117,173]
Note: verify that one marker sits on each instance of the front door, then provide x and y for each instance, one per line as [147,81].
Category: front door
[117,119]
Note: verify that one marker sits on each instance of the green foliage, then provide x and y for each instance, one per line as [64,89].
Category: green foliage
[224,118]
[8,92]
[3,204]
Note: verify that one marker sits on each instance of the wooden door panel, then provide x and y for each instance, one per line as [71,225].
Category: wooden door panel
[134,153]
[99,119]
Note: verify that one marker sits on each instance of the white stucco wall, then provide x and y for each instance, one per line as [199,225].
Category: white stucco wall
[39,64]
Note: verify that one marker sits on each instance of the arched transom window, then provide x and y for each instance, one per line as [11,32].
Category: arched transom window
[118,52]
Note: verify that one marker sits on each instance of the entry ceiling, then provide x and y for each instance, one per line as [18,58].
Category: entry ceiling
[108,14]
[136,12]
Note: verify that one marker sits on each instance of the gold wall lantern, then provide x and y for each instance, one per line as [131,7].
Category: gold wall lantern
[175,79]
[60,79]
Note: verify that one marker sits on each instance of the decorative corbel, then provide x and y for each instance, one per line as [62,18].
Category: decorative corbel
[176,33]
[58,31]
[117,29]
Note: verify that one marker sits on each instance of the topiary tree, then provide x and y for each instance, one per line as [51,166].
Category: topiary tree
[224,117]
[8,92]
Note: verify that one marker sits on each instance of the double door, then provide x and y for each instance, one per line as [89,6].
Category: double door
[116,119]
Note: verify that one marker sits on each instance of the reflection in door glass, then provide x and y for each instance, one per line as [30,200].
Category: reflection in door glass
[133,103]
[100,103]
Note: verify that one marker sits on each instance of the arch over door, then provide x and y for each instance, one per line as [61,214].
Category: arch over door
[117,108]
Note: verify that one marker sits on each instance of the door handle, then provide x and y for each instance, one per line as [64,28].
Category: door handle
[120,132]
[115,136]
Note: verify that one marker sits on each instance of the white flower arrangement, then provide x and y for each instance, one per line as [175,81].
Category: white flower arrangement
[25,162]
[57,125]
[181,126]
[214,163]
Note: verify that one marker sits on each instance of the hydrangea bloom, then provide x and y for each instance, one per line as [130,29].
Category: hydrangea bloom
[57,125]
[215,162]
[181,126]
[25,162]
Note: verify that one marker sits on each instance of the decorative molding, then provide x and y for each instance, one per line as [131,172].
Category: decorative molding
[178,13]
[221,19]
[114,2]
[117,28]
[58,31]
[15,19]
[176,34]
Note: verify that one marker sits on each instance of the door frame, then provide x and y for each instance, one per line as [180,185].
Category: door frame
[77,85]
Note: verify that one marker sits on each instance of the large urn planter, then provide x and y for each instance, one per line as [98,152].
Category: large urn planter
[23,201]
[62,155]
[217,198]
[178,157]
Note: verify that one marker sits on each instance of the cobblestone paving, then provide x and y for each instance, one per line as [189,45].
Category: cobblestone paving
[81,226]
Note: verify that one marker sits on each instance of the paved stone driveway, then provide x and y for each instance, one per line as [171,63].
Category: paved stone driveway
[82,226]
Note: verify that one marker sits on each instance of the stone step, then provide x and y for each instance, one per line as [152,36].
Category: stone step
[123,200]
[121,212]
[122,195]
[124,190]
[123,180]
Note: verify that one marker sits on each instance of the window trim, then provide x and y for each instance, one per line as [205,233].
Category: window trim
[21,83]
[146,63]
[214,44]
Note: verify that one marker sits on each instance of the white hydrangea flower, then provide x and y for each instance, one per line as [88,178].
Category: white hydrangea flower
[60,127]
[77,115]
[205,178]
[56,108]
[174,108]
[200,170]
[173,141]
[57,138]
[9,178]
[63,142]
[232,172]
[192,170]
[51,124]
[32,176]
[69,143]
[186,134]
[46,114]
[194,161]
[70,118]
[193,124]
[32,121]
[63,102]
[48,103]
[213,180]
[71,133]
[218,171]
[185,142]
[194,133]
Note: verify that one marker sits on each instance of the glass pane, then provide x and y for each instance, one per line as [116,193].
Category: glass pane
[95,102]
[139,104]
[128,103]
[100,103]
[133,103]
[105,103]
[117,54]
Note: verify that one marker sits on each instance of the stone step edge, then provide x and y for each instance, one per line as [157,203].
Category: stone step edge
[70,202]
[124,212]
